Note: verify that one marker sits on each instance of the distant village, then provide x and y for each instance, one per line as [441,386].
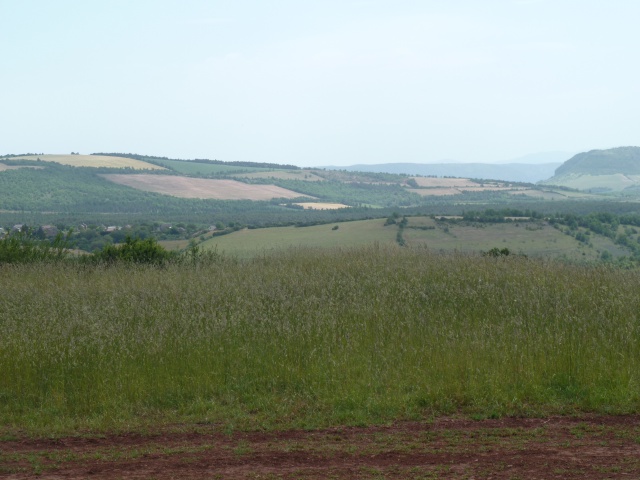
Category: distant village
[93,237]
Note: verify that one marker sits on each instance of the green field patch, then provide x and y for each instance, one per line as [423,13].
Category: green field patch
[525,237]
[612,182]
[283,175]
[538,239]
[252,242]
[546,194]
[196,168]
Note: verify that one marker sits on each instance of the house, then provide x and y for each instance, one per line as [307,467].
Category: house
[49,230]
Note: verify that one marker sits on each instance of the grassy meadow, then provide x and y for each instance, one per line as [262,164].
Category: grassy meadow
[527,238]
[582,181]
[249,243]
[314,337]
[196,168]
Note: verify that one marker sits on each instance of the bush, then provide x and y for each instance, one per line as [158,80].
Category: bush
[496,252]
[134,250]
[24,247]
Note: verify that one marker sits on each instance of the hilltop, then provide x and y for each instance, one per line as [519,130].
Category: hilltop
[624,160]
[611,170]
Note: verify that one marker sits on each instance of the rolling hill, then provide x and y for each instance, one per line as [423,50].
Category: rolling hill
[611,170]
[509,172]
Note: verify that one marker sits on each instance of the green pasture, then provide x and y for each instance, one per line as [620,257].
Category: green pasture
[529,238]
[313,337]
[195,168]
[252,242]
[613,182]
[549,194]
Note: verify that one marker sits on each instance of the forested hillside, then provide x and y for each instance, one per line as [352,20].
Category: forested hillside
[623,160]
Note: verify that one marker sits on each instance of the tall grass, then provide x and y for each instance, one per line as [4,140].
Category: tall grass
[311,338]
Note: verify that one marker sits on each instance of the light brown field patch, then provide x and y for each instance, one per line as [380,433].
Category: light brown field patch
[457,190]
[491,188]
[435,192]
[94,161]
[432,182]
[321,206]
[186,187]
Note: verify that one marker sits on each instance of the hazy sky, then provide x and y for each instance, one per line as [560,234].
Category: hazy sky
[319,82]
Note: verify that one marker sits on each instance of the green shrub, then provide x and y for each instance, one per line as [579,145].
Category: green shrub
[497,252]
[134,250]
[24,247]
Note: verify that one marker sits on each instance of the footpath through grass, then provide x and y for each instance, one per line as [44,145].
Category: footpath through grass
[312,338]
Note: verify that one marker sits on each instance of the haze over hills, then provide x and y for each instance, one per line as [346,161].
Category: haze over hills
[611,170]
[530,168]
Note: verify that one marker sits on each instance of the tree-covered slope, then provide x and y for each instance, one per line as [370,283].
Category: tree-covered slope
[621,160]
[602,171]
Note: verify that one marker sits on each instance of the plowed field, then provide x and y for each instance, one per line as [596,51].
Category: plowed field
[187,187]
[592,447]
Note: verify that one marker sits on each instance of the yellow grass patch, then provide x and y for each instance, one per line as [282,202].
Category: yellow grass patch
[94,161]
[321,206]
[186,187]
[428,192]
[430,182]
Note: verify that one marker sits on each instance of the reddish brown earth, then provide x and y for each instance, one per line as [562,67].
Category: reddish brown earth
[188,187]
[556,447]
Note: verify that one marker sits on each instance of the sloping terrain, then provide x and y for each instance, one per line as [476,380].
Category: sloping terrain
[612,170]
[624,160]
[187,187]
[99,161]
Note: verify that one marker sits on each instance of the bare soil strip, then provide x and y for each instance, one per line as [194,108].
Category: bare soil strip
[187,187]
[445,182]
[591,447]
[321,205]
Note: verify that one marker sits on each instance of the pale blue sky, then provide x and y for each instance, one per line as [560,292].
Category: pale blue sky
[319,82]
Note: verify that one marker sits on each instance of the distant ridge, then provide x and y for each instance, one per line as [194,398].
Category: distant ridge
[510,172]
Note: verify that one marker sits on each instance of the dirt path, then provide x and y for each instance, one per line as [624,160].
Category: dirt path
[556,447]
